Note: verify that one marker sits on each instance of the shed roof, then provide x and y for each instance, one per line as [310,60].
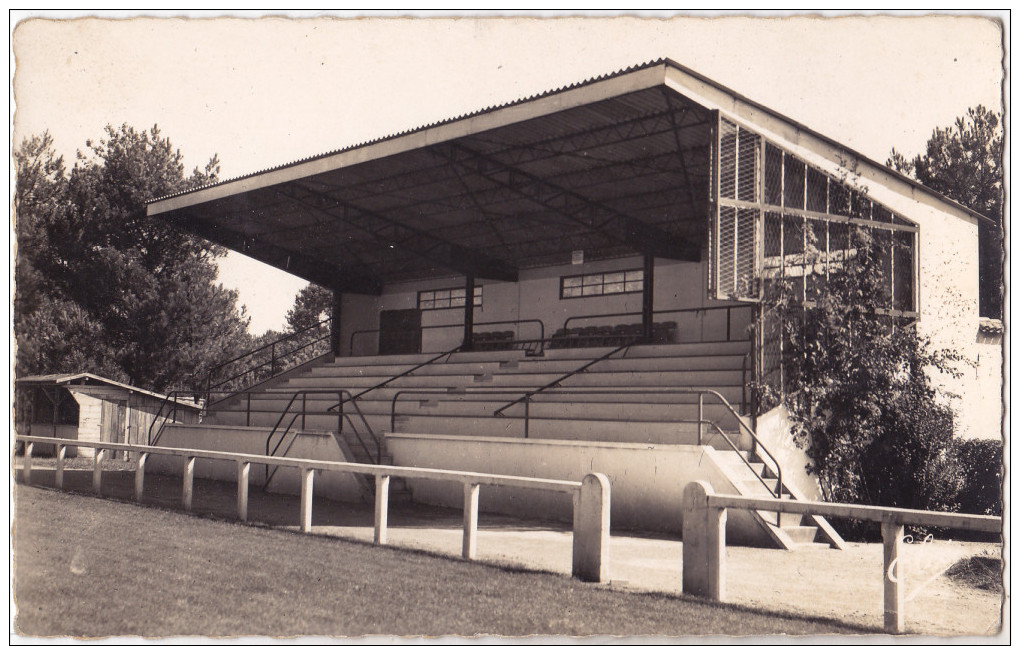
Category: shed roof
[89,379]
[615,165]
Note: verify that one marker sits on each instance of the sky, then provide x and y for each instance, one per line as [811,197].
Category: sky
[260,92]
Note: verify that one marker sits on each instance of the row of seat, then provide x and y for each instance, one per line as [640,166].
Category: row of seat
[606,335]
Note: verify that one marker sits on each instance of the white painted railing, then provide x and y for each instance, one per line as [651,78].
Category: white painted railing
[590,496]
[704,538]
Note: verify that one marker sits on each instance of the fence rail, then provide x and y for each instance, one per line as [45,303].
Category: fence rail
[704,538]
[591,496]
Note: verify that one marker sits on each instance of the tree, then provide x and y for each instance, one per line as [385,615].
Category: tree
[964,163]
[857,387]
[103,288]
[311,305]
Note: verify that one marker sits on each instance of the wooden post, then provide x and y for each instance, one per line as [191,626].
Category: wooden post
[189,483]
[892,575]
[97,472]
[58,480]
[591,529]
[382,504]
[26,471]
[704,539]
[243,471]
[307,483]
[470,546]
[140,476]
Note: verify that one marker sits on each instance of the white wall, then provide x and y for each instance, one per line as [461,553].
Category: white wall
[537,296]
[647,479]
[337,486]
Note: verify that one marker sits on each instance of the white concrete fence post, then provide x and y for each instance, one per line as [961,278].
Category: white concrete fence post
[26,472]
[140,476]
[189,483]
[243,473]
[704,540]
[591,529]
[470,546]
[892,577]
[97,472]
[382,504]
[307,490]
[58,478]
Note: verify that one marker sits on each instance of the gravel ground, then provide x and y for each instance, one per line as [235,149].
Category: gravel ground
[844,585]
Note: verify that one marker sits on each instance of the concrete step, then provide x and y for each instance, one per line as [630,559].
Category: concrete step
[563,406]
[562,429]
[636,364]
[800,533]
[705,378]
[408,360]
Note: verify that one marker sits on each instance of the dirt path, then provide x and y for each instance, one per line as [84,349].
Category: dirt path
[844,585]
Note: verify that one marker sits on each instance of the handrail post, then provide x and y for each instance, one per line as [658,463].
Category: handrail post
[243,473]
[307,488]
[97,472]
[272,361]
[892,577]
[58,481]
[591,529]
[304,408]
[470,543]
[247,409]
[704,543]
[26,471]
[188,487]
[140,476]
[382,504]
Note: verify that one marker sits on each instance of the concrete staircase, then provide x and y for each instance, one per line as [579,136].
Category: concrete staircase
[624,398]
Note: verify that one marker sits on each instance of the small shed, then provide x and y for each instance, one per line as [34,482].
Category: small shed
[89,407]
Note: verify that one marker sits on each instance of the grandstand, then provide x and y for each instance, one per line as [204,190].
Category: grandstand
[566,284]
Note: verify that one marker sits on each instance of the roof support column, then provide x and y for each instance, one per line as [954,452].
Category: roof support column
[469,314]
[647,299]
[336,308]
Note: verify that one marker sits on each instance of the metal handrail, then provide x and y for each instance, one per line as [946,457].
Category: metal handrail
[343,396]
[272,345]
[176,395]
[706,308]
[390,380]
[541,328]
[663,390]
[556,382]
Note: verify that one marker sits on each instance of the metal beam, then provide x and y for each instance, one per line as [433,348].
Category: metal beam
[319,271]
[614,226]
[412,240]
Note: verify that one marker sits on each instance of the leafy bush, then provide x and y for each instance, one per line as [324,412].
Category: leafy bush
[857,384]
[980,462]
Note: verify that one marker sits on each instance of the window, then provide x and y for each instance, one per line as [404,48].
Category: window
[444,299]
[615,282]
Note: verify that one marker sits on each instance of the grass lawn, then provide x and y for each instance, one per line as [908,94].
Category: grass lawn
[92,567]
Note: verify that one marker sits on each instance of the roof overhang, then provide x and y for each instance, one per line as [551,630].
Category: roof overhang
[617,165]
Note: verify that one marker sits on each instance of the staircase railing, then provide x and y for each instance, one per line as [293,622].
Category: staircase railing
[526,398]
[278,351]
[758,448]
[175,398]
[405,373]
[343,397]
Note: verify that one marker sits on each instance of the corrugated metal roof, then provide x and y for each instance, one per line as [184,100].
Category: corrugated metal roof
[555,121]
